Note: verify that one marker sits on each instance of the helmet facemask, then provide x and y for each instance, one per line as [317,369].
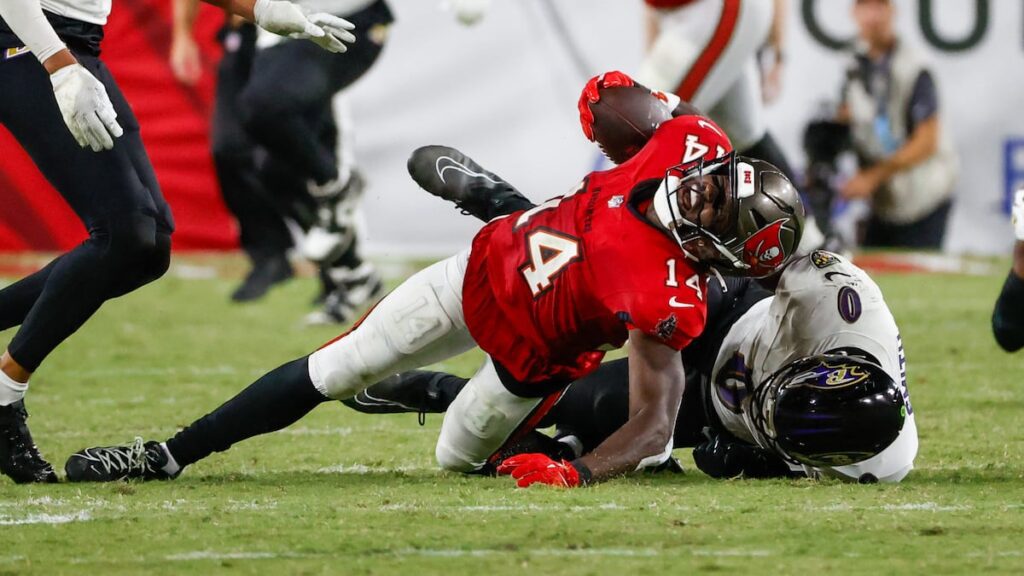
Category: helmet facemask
[697,206]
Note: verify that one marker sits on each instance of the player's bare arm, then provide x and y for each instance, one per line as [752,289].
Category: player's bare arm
[656,384]
[186,64]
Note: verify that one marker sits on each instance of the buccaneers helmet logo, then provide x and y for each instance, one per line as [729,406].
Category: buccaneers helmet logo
[763,251]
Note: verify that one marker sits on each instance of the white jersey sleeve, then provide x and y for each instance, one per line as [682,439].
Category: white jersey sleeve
[92,11]
[26,19]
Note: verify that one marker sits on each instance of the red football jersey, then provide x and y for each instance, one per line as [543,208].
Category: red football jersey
[549,290]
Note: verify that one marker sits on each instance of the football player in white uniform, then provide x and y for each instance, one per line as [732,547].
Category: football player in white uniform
[63,106]
[852,419]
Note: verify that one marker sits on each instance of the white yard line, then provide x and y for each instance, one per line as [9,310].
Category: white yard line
[213,555]
[561,552]
[81,516]
[361,469]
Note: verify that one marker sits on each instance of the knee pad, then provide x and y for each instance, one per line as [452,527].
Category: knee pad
[127,238]
[159,259]
[134,251]
[392,338]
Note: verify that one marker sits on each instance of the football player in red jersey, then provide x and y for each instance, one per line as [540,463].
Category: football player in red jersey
[544,292]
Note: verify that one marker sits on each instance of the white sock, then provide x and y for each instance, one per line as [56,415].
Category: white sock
[172,466]
[10,389]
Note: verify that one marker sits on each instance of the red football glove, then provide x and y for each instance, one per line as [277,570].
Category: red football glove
[592,94]
[530,469]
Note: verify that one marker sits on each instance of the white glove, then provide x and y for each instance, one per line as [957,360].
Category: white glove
[286,19]
[86,108]
[468,12]
[1017,215]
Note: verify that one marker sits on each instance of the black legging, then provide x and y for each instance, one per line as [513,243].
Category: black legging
[114,193]
[1008,317]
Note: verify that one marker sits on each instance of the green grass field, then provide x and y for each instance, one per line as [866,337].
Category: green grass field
[343,493]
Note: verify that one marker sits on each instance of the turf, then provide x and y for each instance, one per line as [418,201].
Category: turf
[344,493]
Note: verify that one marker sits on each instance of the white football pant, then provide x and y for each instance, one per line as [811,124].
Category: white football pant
[420,323]
[706,53]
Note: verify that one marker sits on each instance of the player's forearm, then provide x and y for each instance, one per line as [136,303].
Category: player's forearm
[243,8]
[921,146]
[656,383]
[643,437]
[185,13]
[29,24]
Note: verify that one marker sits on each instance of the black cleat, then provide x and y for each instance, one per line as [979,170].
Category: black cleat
[451,175]
[413,391]
[19,458]
[113,463]
[265,273]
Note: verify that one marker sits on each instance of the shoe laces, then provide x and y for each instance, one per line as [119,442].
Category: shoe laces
[125,459]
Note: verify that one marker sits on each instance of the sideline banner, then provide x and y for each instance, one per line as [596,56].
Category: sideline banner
[505,92]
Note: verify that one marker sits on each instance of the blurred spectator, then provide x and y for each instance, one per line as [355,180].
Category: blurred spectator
[908,166]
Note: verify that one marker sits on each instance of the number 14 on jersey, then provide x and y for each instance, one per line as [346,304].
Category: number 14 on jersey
[550,253]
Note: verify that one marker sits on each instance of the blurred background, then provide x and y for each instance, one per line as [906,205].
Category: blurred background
[505,90]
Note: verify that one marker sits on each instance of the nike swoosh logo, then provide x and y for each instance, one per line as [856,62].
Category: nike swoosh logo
[677,304]
[831,274]
[453,164]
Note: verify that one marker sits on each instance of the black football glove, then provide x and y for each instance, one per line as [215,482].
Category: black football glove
[721,457]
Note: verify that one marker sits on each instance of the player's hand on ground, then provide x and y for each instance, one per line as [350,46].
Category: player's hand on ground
[86,107]
[287,19]
[186,61]
[528,469]
[1018,214]
[468,12]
